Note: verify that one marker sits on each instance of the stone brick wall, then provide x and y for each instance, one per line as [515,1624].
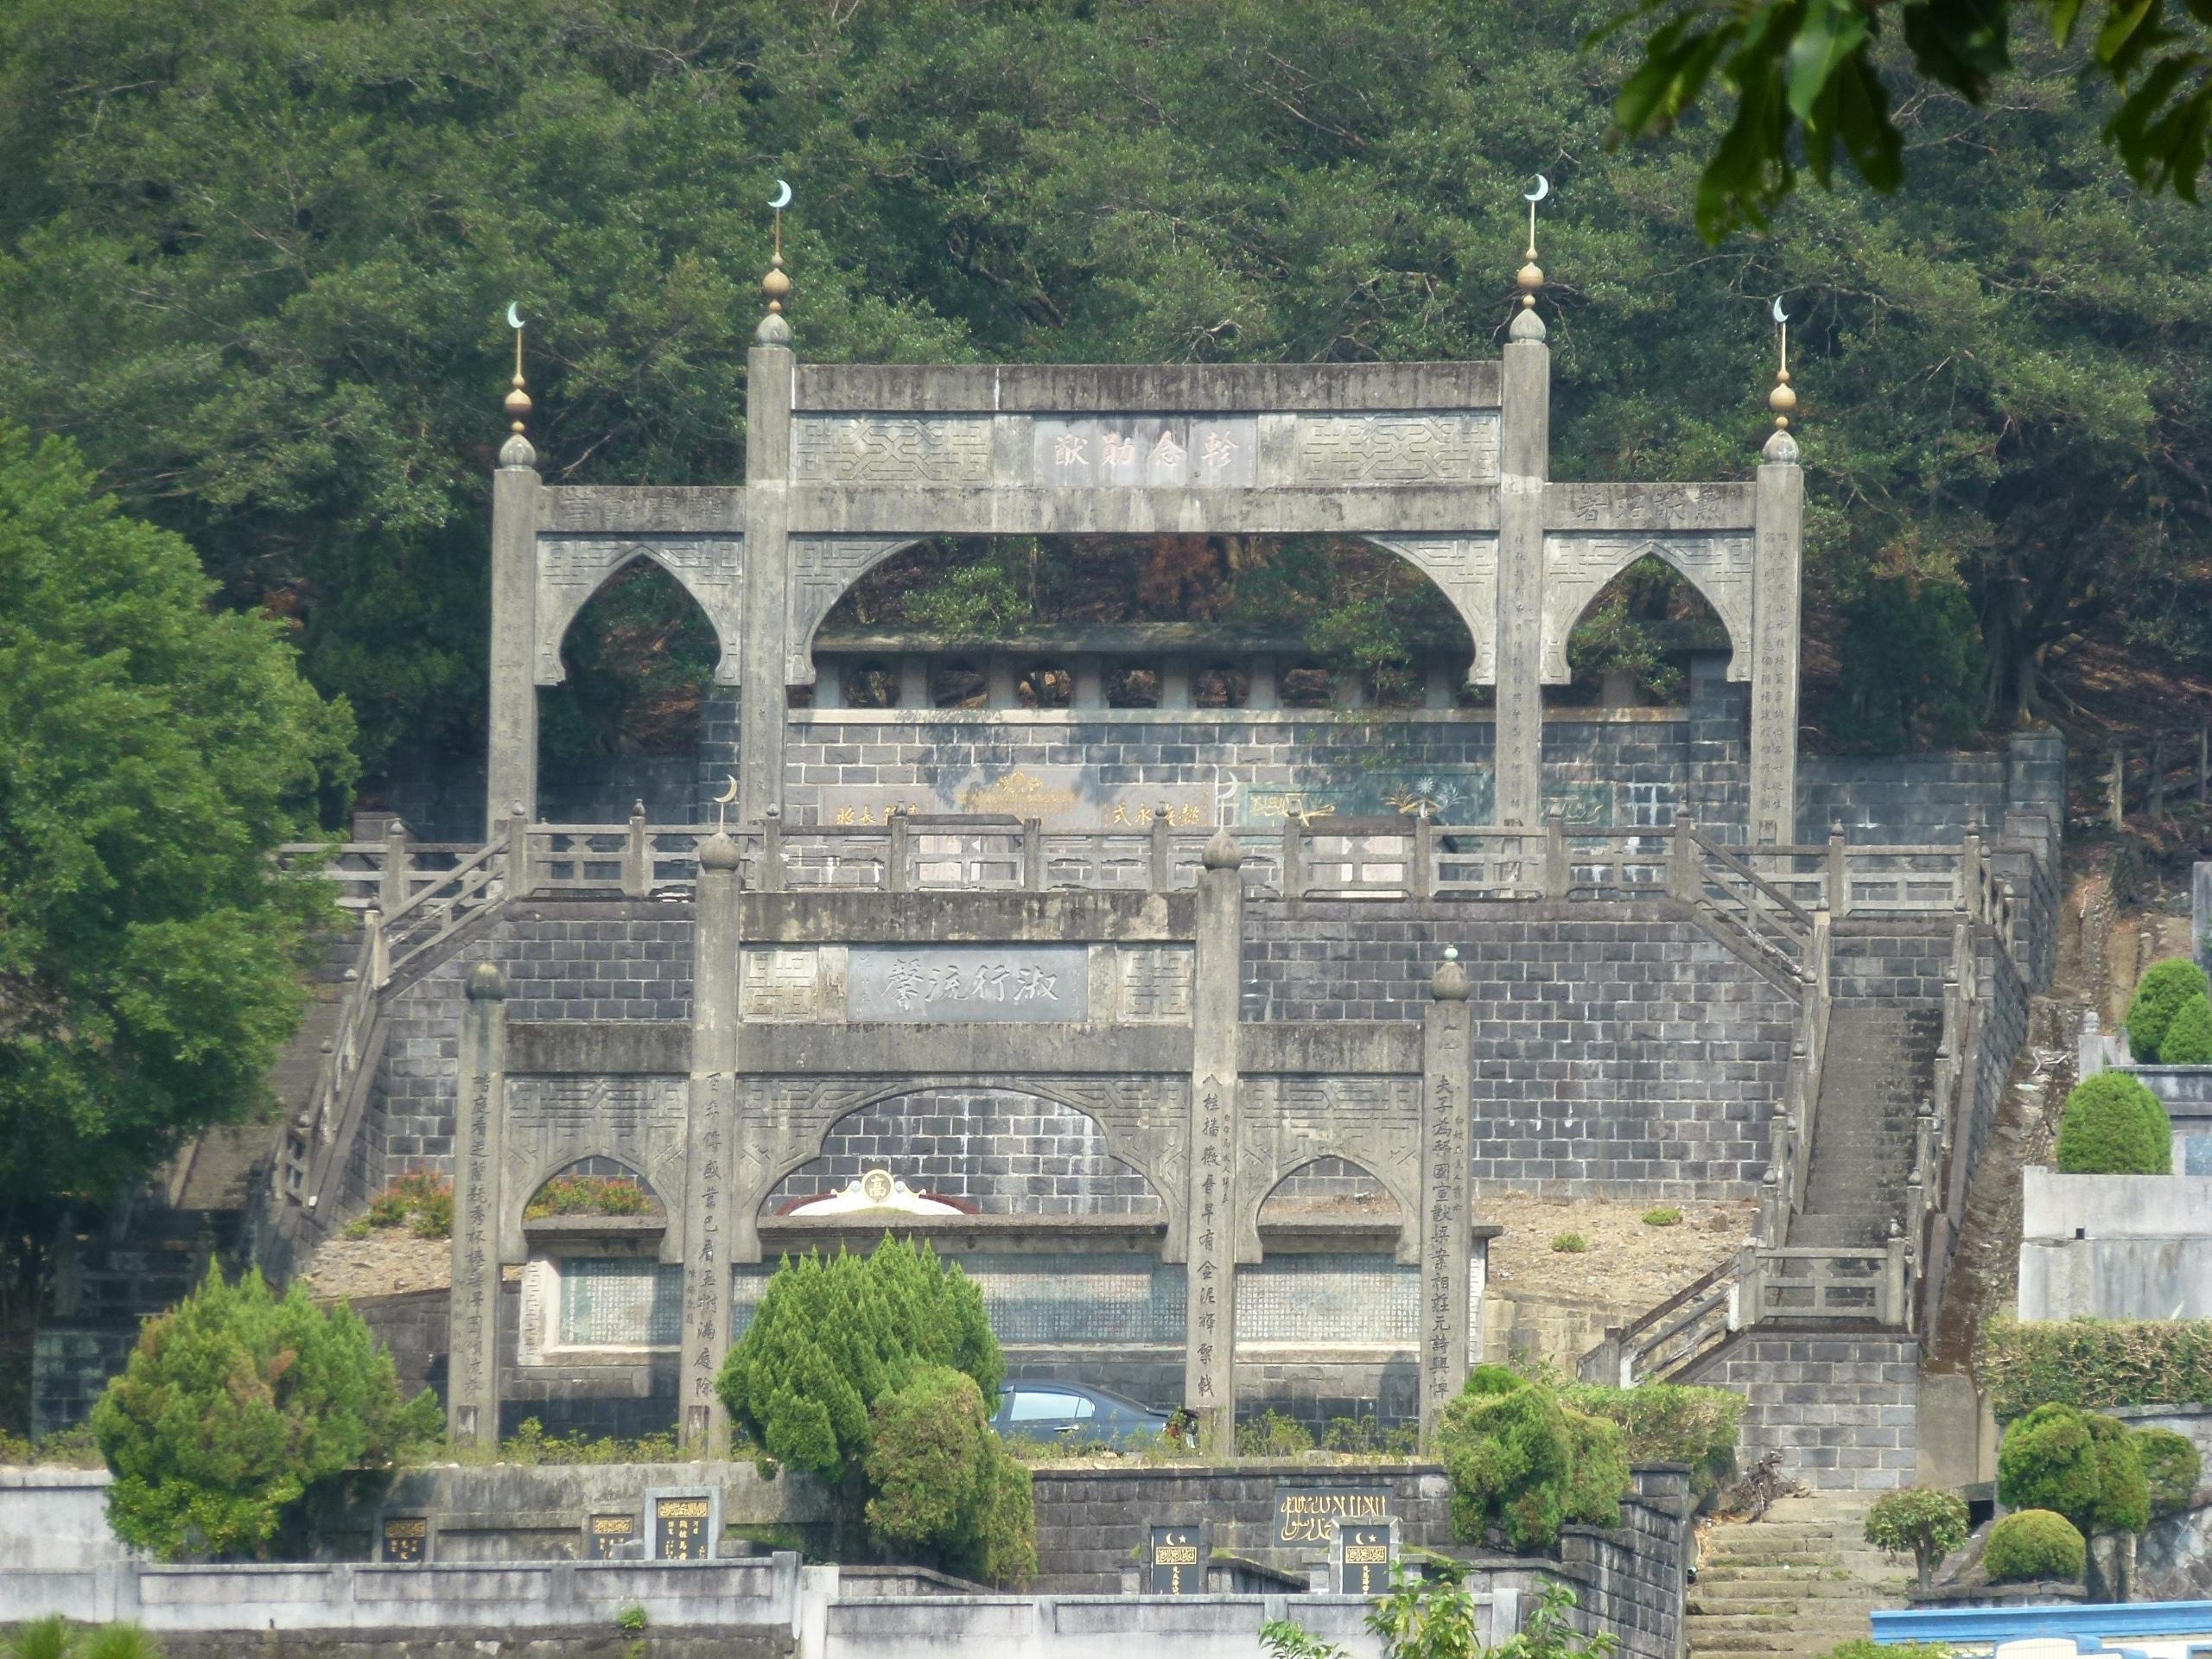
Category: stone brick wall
[1896,962]
[1839,1404]
[1626,1053]
[1632,1580]
[1005,1154]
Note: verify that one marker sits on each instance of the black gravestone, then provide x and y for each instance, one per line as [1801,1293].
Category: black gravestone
[1174,1565]
[681,1523]
[405,1539]
[610,1535]
[1366,1560]
[1310,1514]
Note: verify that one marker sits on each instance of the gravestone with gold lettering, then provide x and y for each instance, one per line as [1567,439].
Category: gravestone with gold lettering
[1175,1561]
[1310,1514]
[1361,1554]
[610,1537]
[405,1540]
[681,1531]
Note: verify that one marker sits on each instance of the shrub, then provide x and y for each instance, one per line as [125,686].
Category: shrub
[120,1641]
[1272,1434]
[2085,1468]
[42,1638]
[2034,1544]
[2159,994]
[2112,1125]
[945,1489]
[1864,1647]
[1668,1422]
[1666,1216]
[632,1617]
[2095,1363]
[234,1406]
[2187,1040]
[1918,1522]
[1523,1462]
[1570,1243]
[590,1195]
[2171,1468]
[833,1335]
[421,1200]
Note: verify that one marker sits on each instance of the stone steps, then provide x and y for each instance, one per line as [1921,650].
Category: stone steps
[1796,1584]
[1880,1064]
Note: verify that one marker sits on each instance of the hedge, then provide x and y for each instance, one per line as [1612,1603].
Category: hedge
[2111,1125]
[1522,1462]
[2034,1544]
[2095,1363]
[2165,987]
[1669,1422]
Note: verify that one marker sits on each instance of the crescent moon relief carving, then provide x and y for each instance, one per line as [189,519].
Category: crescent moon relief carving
[569,571]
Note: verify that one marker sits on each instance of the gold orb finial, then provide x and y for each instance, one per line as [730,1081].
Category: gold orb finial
[776,284]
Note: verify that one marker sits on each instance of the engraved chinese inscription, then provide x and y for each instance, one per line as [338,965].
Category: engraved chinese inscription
[1204,452]
[680,1525]
[776,986]
[1458,448]
[1024,984]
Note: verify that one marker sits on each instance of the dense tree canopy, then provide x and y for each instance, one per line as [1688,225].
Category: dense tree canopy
[153,752]
[252,258]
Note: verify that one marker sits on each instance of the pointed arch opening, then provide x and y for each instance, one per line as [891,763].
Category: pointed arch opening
[1630,643]
[637,659]
[986,1150]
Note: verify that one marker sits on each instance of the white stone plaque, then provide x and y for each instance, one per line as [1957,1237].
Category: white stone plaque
[994,983]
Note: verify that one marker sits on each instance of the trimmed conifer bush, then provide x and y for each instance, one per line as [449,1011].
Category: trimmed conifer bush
[2172,1467]
[2112,1125]
[2187,1040]
[2159,994]
[2032,1544]
[1524,1462]
[2083,1467]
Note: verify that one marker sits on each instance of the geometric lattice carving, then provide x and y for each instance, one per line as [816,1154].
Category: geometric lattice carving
[1288,1122]
[554,1122]
[710,568]
[1465,568]
[821,569]
[1577,566]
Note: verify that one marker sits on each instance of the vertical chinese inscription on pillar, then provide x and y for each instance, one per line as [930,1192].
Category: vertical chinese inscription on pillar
[706,1282]
[474,1392]
[1444,1245]
[1209,1374]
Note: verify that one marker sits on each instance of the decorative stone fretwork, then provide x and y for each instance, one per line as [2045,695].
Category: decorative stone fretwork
[1289,1122]
[571,570]
[1577,566]
[822,569]
[553,1121]
[1465,568]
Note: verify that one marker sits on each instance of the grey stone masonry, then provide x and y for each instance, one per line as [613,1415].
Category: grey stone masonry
[1627,1053]
[1840,1405]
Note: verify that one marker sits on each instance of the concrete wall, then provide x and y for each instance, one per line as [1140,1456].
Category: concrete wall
[2115,1247]
[55,1520]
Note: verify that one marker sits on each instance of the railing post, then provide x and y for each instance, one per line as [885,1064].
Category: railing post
[1421,880]
[2116,790]
[1556,871]
[769,878]
[637,856]
[1894,1310]
[1294,856]
[1032,854]
[1681,859]
[393,888]
[1839,872]
[518,872]
[1973,877]
[896,873]
[1163,850]
[379,949]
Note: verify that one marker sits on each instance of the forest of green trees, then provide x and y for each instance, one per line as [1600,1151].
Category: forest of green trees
[253,256]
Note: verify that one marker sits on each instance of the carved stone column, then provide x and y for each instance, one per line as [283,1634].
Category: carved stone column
[761,703]
[1524,460]
[479,1109]
[511,738]
[1210,1328]
[1776,540]
[711,1223]
[1446,1129]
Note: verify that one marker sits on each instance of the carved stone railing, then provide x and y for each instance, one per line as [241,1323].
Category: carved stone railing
[1935,1189]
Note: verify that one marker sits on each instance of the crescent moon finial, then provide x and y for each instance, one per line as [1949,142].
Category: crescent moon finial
[729,797]
[1780,315]
[782,199]
[514,317]
[1544,189]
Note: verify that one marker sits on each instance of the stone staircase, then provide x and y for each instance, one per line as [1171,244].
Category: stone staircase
[1880,1066]
[1796,1583]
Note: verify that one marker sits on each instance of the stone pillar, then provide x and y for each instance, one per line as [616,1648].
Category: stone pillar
[762,671]
[711,1220]
[511,738]
[1446,1134]
[473,1361]
[1776,543]
[1524,459]
[1210,1329]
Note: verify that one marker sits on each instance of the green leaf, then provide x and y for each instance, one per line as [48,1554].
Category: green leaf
[1831,32]
[1961,43]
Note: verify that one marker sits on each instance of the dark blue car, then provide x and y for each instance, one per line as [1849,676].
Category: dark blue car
[1034,1408]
